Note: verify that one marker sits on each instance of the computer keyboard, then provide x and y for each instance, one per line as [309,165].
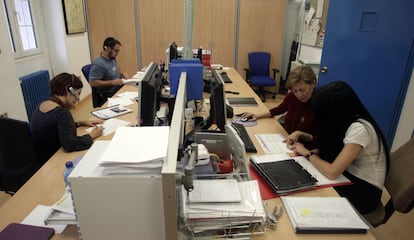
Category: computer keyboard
[241,131]
[225,78]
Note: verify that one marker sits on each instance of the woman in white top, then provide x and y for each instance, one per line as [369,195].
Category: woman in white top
[350,143]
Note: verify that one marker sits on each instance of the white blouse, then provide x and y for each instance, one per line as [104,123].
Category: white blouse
[368,165]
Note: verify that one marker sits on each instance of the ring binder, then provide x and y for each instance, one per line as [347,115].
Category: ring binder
[285,176]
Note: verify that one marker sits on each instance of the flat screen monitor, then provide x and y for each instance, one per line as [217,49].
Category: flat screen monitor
[217,102]
[171,53]
[149,95]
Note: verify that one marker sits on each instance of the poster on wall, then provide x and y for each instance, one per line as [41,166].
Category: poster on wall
[74,16]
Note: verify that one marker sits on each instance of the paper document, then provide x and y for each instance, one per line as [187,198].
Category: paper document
[136,145]
[323,214]
[111,125]
[215,190]
[111,112]
[250,206]
[273,143]
[37,218]
[132,81]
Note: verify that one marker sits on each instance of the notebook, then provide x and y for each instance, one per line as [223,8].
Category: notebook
[284,176]
[323,215]
[17,231]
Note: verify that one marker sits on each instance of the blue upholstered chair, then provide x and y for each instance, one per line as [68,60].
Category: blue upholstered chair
[96,100]
[258,74]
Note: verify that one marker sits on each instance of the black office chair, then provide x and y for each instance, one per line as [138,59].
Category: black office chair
[96,99]
[257,75]
[18,157]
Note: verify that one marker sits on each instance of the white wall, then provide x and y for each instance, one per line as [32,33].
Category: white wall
[68,52]
[11,97]
[405,127]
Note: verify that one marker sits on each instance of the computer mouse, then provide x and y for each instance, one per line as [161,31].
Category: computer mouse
[245,119]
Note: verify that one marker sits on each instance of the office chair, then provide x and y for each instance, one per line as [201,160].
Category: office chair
[96,100]
[257,75]
[18,157]
[399,183]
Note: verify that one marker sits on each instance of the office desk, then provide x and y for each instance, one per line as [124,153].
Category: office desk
[47,186]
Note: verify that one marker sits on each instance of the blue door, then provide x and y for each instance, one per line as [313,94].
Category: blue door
[370,45]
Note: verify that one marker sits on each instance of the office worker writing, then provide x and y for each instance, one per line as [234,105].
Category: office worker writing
[105,74]
[350,143]
[299,118]
[52,122]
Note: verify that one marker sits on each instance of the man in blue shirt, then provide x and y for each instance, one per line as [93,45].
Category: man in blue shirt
[105,75]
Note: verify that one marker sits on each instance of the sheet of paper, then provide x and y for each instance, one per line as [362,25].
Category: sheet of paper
[322,180]
[38,216]
[111,125]
[251,205]
[215,190]
[273,143]
[65,204]
[122,101]
[128,94]
[136,145]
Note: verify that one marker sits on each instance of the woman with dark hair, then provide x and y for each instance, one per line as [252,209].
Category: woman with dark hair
[52,122]
[350,143]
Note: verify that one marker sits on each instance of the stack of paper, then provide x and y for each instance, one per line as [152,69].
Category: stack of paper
[136,150]
[62,212]
[207,214]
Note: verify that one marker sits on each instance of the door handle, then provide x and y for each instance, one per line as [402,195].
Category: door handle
[324,69]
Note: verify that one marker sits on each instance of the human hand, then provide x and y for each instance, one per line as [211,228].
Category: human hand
[298,148]
[117,82]
[247,115]
[97,131]
[293,138]
[92,123]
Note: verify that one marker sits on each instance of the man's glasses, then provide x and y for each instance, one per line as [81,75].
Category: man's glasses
[116,50]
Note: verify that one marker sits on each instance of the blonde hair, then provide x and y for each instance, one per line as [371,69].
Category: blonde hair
[302,73]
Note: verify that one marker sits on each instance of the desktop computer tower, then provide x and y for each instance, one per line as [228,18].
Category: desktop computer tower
[124,206]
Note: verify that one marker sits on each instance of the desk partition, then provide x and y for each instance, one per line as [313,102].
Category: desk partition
[177,131]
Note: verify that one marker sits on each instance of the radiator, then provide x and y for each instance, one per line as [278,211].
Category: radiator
[35,88]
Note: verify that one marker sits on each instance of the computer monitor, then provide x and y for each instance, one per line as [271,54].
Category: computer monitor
[149,95]
[217,102]
[171,53]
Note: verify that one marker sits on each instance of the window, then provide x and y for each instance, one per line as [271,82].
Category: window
[21,27]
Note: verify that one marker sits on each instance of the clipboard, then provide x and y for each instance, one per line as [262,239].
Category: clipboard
[110,112]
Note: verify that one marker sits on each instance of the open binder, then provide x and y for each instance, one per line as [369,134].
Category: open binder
[284,176]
